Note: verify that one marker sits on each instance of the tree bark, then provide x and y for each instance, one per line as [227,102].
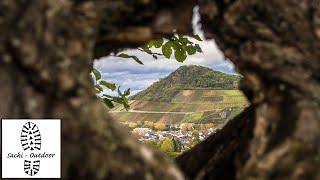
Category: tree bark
[47,50]
[275,46]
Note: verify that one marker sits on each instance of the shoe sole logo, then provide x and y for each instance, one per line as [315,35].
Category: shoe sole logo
[30,137]
[30,141]
[31,167]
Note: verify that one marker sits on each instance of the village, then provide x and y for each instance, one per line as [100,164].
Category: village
[185,139]
[176,137]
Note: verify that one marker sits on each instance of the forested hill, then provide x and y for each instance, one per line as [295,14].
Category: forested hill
[187,77]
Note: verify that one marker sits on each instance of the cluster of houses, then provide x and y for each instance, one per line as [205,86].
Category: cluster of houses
[185,138]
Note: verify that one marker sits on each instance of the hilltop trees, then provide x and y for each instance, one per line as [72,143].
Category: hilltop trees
[187,77]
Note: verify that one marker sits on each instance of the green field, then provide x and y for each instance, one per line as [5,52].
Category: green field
[192,117]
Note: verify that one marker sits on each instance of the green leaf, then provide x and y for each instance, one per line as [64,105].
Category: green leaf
[118,100]
[108,85]
[166,49]
[197,37]
[106,95]
[183,40]
[154,56]
[137,59]
[198,48]
[119,92]
[99,88]
[126,105]
[156,43]
[191,50]
[96,74]
[108,102]
[180,54]
[127,92]
[123,55]
[147,50]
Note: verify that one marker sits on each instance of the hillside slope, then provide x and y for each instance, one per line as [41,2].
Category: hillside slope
[187,77]
[191,94]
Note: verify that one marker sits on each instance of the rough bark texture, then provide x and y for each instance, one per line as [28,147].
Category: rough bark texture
[128,23]
[275,46]
[46,49]
[46,53]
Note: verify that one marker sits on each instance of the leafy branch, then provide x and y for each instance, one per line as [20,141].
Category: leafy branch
[178,45]
[108,100]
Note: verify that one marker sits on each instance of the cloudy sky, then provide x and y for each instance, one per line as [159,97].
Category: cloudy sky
[129,74]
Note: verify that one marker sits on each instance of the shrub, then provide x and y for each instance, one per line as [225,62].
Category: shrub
[132,125]
[149,124]
[168,145]
[160,126]
[187,126]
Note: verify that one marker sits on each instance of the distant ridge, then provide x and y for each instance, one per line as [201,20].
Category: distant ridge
[187,77]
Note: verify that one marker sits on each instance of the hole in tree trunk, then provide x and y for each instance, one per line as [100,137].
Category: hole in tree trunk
[174,105]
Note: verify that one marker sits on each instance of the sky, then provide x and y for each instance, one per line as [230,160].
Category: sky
[128,74]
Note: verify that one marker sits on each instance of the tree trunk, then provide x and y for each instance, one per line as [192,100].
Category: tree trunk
[47,48]
[275,46]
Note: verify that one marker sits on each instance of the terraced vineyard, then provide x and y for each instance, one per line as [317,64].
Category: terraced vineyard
[193,106]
